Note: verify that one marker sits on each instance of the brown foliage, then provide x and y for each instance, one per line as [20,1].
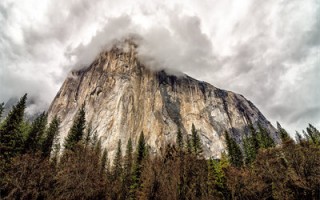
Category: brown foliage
[78,176]
[28,177]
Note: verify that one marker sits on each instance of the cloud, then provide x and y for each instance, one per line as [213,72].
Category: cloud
[266,50]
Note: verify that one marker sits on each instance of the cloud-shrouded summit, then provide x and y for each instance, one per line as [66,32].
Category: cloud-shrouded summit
[265,50]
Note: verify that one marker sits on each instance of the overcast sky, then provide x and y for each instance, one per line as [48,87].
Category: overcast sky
[269,51]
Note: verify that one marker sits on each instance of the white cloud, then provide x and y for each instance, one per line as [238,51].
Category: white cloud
[266,50]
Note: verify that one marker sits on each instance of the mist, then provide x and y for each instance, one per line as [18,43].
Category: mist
[266,50]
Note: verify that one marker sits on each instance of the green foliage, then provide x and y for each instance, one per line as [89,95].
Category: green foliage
[138,165]
[1,110]
[195,141]
[288,171]
[51,135]
[299,138]
[128,158]
[179,139]
[283,133]
[234,151]
[257,140]
[264,139]
[34,137]
[76,132]
[117,163]
[11,137]
[127,171]
[314,134]
[216,176]
[249,150]
[188,145]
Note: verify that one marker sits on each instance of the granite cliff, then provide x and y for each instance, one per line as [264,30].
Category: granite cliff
[123,97]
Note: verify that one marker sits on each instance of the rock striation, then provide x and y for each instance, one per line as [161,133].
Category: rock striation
[123,97]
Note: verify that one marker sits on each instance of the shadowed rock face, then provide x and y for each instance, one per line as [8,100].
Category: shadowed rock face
[124,98]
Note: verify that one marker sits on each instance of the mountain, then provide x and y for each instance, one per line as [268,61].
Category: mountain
[123,97]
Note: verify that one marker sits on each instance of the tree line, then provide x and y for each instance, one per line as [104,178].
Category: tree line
[32,165]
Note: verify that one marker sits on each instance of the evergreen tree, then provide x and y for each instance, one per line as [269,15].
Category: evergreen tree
[76,132]
[195,139]
[254,139]
[34,137]
[11,138]
[299,138]
[127,170]
[249,150]
[265,140]
[216,177]
[314,134]
[179,139]
[51,134]
[142,149]
[234,151]
[117,163]
[188,145]
[128,160]
[306,136]
[283,133]
[1,110]
[138,165]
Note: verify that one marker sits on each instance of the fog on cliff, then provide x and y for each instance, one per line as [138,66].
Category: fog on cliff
[266,50]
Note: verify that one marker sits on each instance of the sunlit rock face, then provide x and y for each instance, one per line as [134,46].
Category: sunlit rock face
[123,98]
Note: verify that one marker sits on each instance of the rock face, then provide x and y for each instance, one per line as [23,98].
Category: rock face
[123,98]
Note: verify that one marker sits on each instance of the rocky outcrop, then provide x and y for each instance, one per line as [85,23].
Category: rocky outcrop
[123,98]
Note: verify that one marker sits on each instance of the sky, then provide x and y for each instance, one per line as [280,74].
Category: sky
[268,51]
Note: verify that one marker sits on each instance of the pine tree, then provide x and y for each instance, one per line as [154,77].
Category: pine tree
[1,110]
[254,138]
[141,150]
[299,138]
[179,139]
[216,176]
[11,138]
[128,160]
[117,163]
[127,170]
[188,145]
[76,132]
[182,185]
[51,134]
[234,151]
[265,141]
[249,150]
[314,134]
[138,165]
[196,143]
[38,127]
[283,133]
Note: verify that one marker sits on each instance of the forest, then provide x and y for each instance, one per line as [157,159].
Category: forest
[32,165]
